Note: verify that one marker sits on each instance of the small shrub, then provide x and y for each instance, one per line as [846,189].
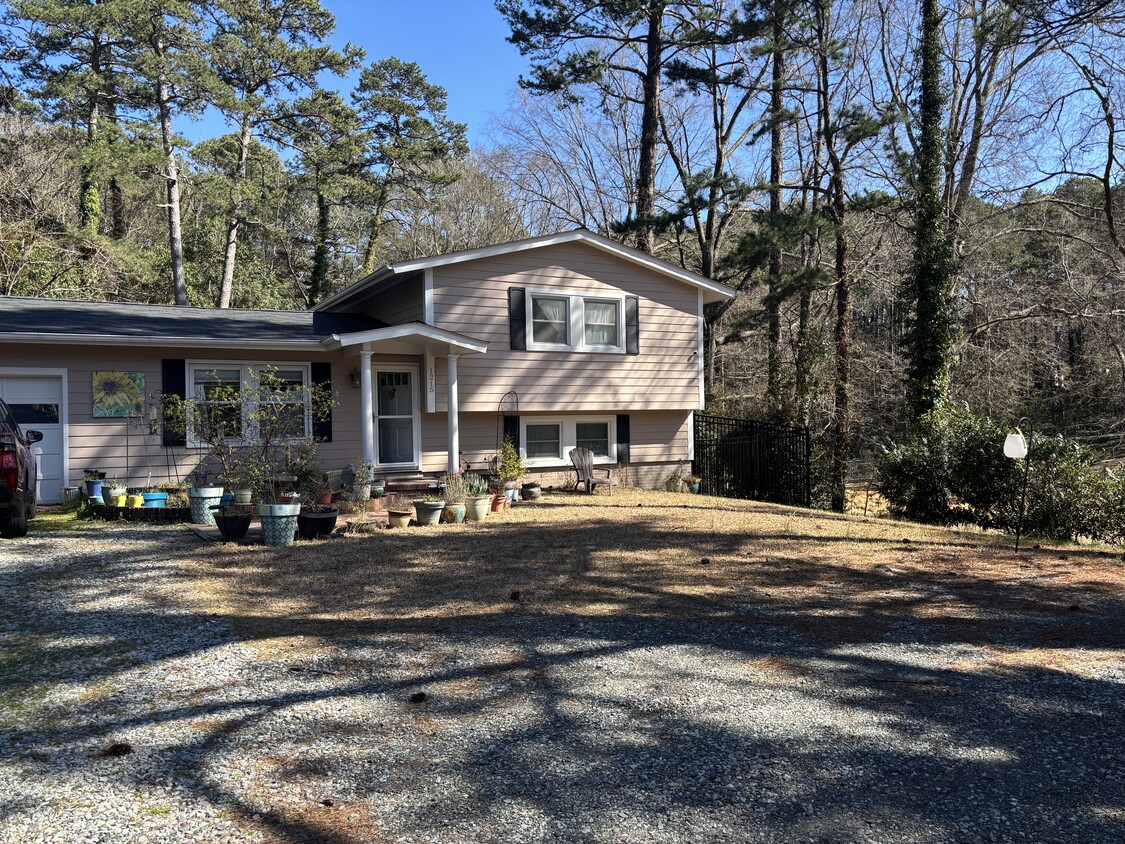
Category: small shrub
[959,474]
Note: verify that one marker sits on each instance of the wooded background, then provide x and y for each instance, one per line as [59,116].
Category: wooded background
[917,202]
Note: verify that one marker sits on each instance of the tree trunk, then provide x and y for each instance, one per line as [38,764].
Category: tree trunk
[650,131]
[235,221]
[837,204]
[318,278]
[802,382]
[118,228]
[171,179]
[930,340]
[842,442]
[777,163]
[374,229]
[89,197]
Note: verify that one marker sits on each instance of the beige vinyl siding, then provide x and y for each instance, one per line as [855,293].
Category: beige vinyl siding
[658,441]
[472,298]
[124,448]
[404,302]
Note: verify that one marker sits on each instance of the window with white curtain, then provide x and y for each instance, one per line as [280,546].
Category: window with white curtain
[550,321]
[574,322]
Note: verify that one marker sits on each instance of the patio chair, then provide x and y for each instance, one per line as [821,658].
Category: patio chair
[583,460]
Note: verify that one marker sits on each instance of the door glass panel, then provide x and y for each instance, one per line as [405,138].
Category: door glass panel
[35,414]
[394,394]
[396,440]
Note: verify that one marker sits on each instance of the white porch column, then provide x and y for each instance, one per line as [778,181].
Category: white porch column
[367,409]
[454,428]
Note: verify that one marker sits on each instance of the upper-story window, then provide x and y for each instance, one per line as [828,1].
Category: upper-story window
[575,322]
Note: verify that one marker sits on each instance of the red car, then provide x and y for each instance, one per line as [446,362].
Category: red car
[17,475]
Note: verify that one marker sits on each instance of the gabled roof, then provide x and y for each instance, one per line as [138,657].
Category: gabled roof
[390,274]
[69,321]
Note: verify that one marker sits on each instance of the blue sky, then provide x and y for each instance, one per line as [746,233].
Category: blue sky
[459,44]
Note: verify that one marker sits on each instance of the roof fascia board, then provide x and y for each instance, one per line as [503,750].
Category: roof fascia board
[178,342]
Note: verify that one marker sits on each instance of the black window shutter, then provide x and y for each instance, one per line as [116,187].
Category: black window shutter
[517,317]
[512,430]
[173,382]
[623,438]
[322,377]
[632,326]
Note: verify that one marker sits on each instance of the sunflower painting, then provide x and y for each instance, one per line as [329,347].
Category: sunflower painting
[118,394]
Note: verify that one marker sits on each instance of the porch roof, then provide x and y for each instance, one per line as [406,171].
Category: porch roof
[409,335]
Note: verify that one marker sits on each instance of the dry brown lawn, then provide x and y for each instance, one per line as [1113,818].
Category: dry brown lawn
[837,579]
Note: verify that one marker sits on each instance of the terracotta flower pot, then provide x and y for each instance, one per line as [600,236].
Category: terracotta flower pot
[399,518]
[498,500]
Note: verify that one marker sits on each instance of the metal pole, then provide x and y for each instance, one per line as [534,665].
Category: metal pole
[1026,472]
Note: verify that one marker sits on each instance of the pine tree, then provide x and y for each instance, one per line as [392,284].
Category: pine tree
[261,50]
[67,60]
[574,43]
[408,135]
[165,52]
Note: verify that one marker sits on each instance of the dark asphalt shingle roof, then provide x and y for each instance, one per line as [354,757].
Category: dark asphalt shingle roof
[113,319]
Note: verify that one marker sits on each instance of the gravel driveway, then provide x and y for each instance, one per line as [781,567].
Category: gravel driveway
[135,706]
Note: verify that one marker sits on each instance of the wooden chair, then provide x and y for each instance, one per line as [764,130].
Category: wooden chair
[583,460]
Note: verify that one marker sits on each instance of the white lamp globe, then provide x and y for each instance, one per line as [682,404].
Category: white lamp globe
[1015,446]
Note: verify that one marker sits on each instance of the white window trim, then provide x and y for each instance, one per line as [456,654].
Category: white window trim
[414,387]
[576,314]
[246,370]
[568,435]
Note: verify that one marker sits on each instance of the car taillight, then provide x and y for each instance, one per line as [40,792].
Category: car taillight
[8,463]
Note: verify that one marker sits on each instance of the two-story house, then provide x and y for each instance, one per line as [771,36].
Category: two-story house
[557,341]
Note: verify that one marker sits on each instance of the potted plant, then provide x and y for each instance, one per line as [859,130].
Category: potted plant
[477,498]
[531,491]
[253,445]
[152,497]
[114,492]
[428,509]
[399,511]
[510,467]
[201,498]
[499,498]
[315,518]
[94,483]
[454,494]
[675,482]
[694,482]
[233,521]
[363,477]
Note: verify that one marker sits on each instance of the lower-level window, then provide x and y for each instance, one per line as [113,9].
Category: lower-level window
[543,441]
[236,398]
[549,441]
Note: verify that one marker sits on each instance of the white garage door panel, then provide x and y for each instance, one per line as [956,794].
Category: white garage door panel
[36,402]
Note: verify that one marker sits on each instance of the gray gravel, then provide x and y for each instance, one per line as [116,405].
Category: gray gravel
[536,728]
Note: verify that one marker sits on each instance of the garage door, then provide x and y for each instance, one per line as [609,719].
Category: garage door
[36,402]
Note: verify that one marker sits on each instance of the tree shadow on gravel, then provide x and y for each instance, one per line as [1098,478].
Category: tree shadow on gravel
[656,679]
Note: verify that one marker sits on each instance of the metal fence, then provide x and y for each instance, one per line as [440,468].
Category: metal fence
[742,458]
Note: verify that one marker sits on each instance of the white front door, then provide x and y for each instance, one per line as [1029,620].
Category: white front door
[397,429]
[37,404]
